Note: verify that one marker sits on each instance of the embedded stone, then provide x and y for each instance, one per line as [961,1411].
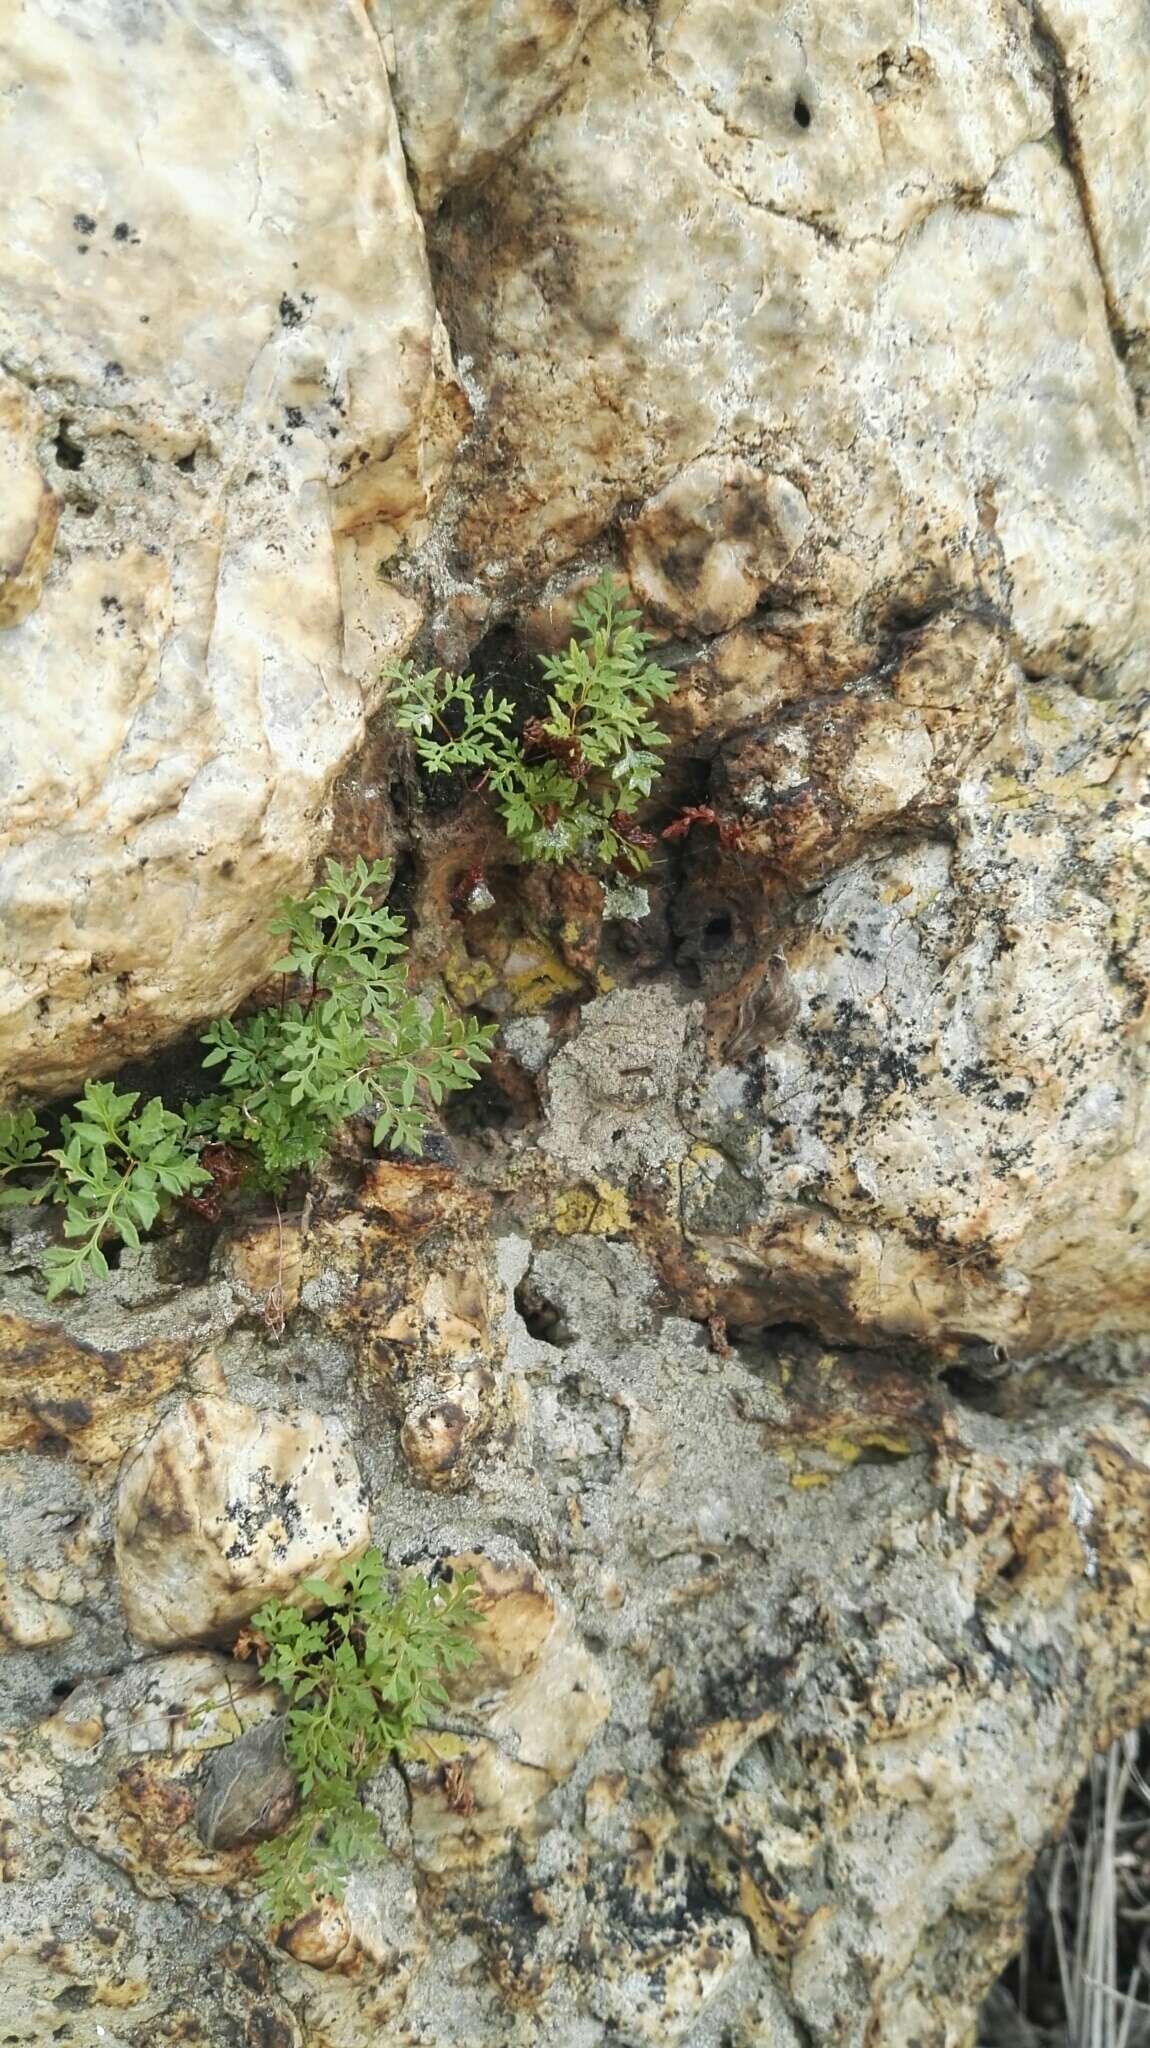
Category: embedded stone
[224,1507]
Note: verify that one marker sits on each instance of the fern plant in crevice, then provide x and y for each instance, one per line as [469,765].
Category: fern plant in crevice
[360,1681]
[344,1038]
[115,1173]
[568,786]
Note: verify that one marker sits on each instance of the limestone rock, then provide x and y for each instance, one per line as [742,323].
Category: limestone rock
[57,1389]
[612,1090]
[157,1729]
[424,1310]
[850,261]
[1109,121]
[705,548]
[30,512]
[945,1147]
[537,1699]
[355,1962]
[468,81]
[226,1506]
[217,298]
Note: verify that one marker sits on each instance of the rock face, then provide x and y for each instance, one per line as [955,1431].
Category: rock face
[469,80]
[224,1507]
[918,1114]
[788,1668]
[227,397]
[767,1332]
[882,293]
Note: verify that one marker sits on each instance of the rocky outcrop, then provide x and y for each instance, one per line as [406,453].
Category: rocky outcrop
[924,1123]
[765,1332]
[227,397]
[790,1666]
[881,292]
[469,83]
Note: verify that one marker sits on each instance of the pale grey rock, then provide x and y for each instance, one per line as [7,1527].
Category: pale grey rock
[822,326]
[217,314]
[845,252]
[611,1091]
[470,78]
[223,1507]
[946,1145]
[815,1659]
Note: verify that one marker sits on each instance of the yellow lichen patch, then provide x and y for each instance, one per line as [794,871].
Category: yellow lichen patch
[703,1164]
[430,1752]
[1041,706]
[534,976]
[849,1449]
[842,1448]
[594,1210]
[466,979]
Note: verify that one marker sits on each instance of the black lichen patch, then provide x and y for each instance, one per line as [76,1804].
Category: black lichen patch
[269,1501]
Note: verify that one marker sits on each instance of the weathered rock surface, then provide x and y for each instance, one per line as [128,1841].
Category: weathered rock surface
[881,292]
[469,80]
[830,334]
[792,1659]
[225,374]
[539,1700]
[919,1113]
[423,1302]
[226,1506]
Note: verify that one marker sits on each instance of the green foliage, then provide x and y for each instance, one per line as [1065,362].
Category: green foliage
[567,789]
[114,1174]
[351,1040]
[20,1141]
[360,1680]
[346,1037]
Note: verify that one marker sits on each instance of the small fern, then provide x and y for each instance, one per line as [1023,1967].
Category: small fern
[360,1681]
[114,1175]
[567,788]
[346,1037]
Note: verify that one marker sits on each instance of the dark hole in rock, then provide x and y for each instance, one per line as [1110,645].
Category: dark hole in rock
[802,112]
[718,932]
[500,663]
[401,894]
[542,1319]
[485,1107]
[69,453]
[63,1689]
[975,1380]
